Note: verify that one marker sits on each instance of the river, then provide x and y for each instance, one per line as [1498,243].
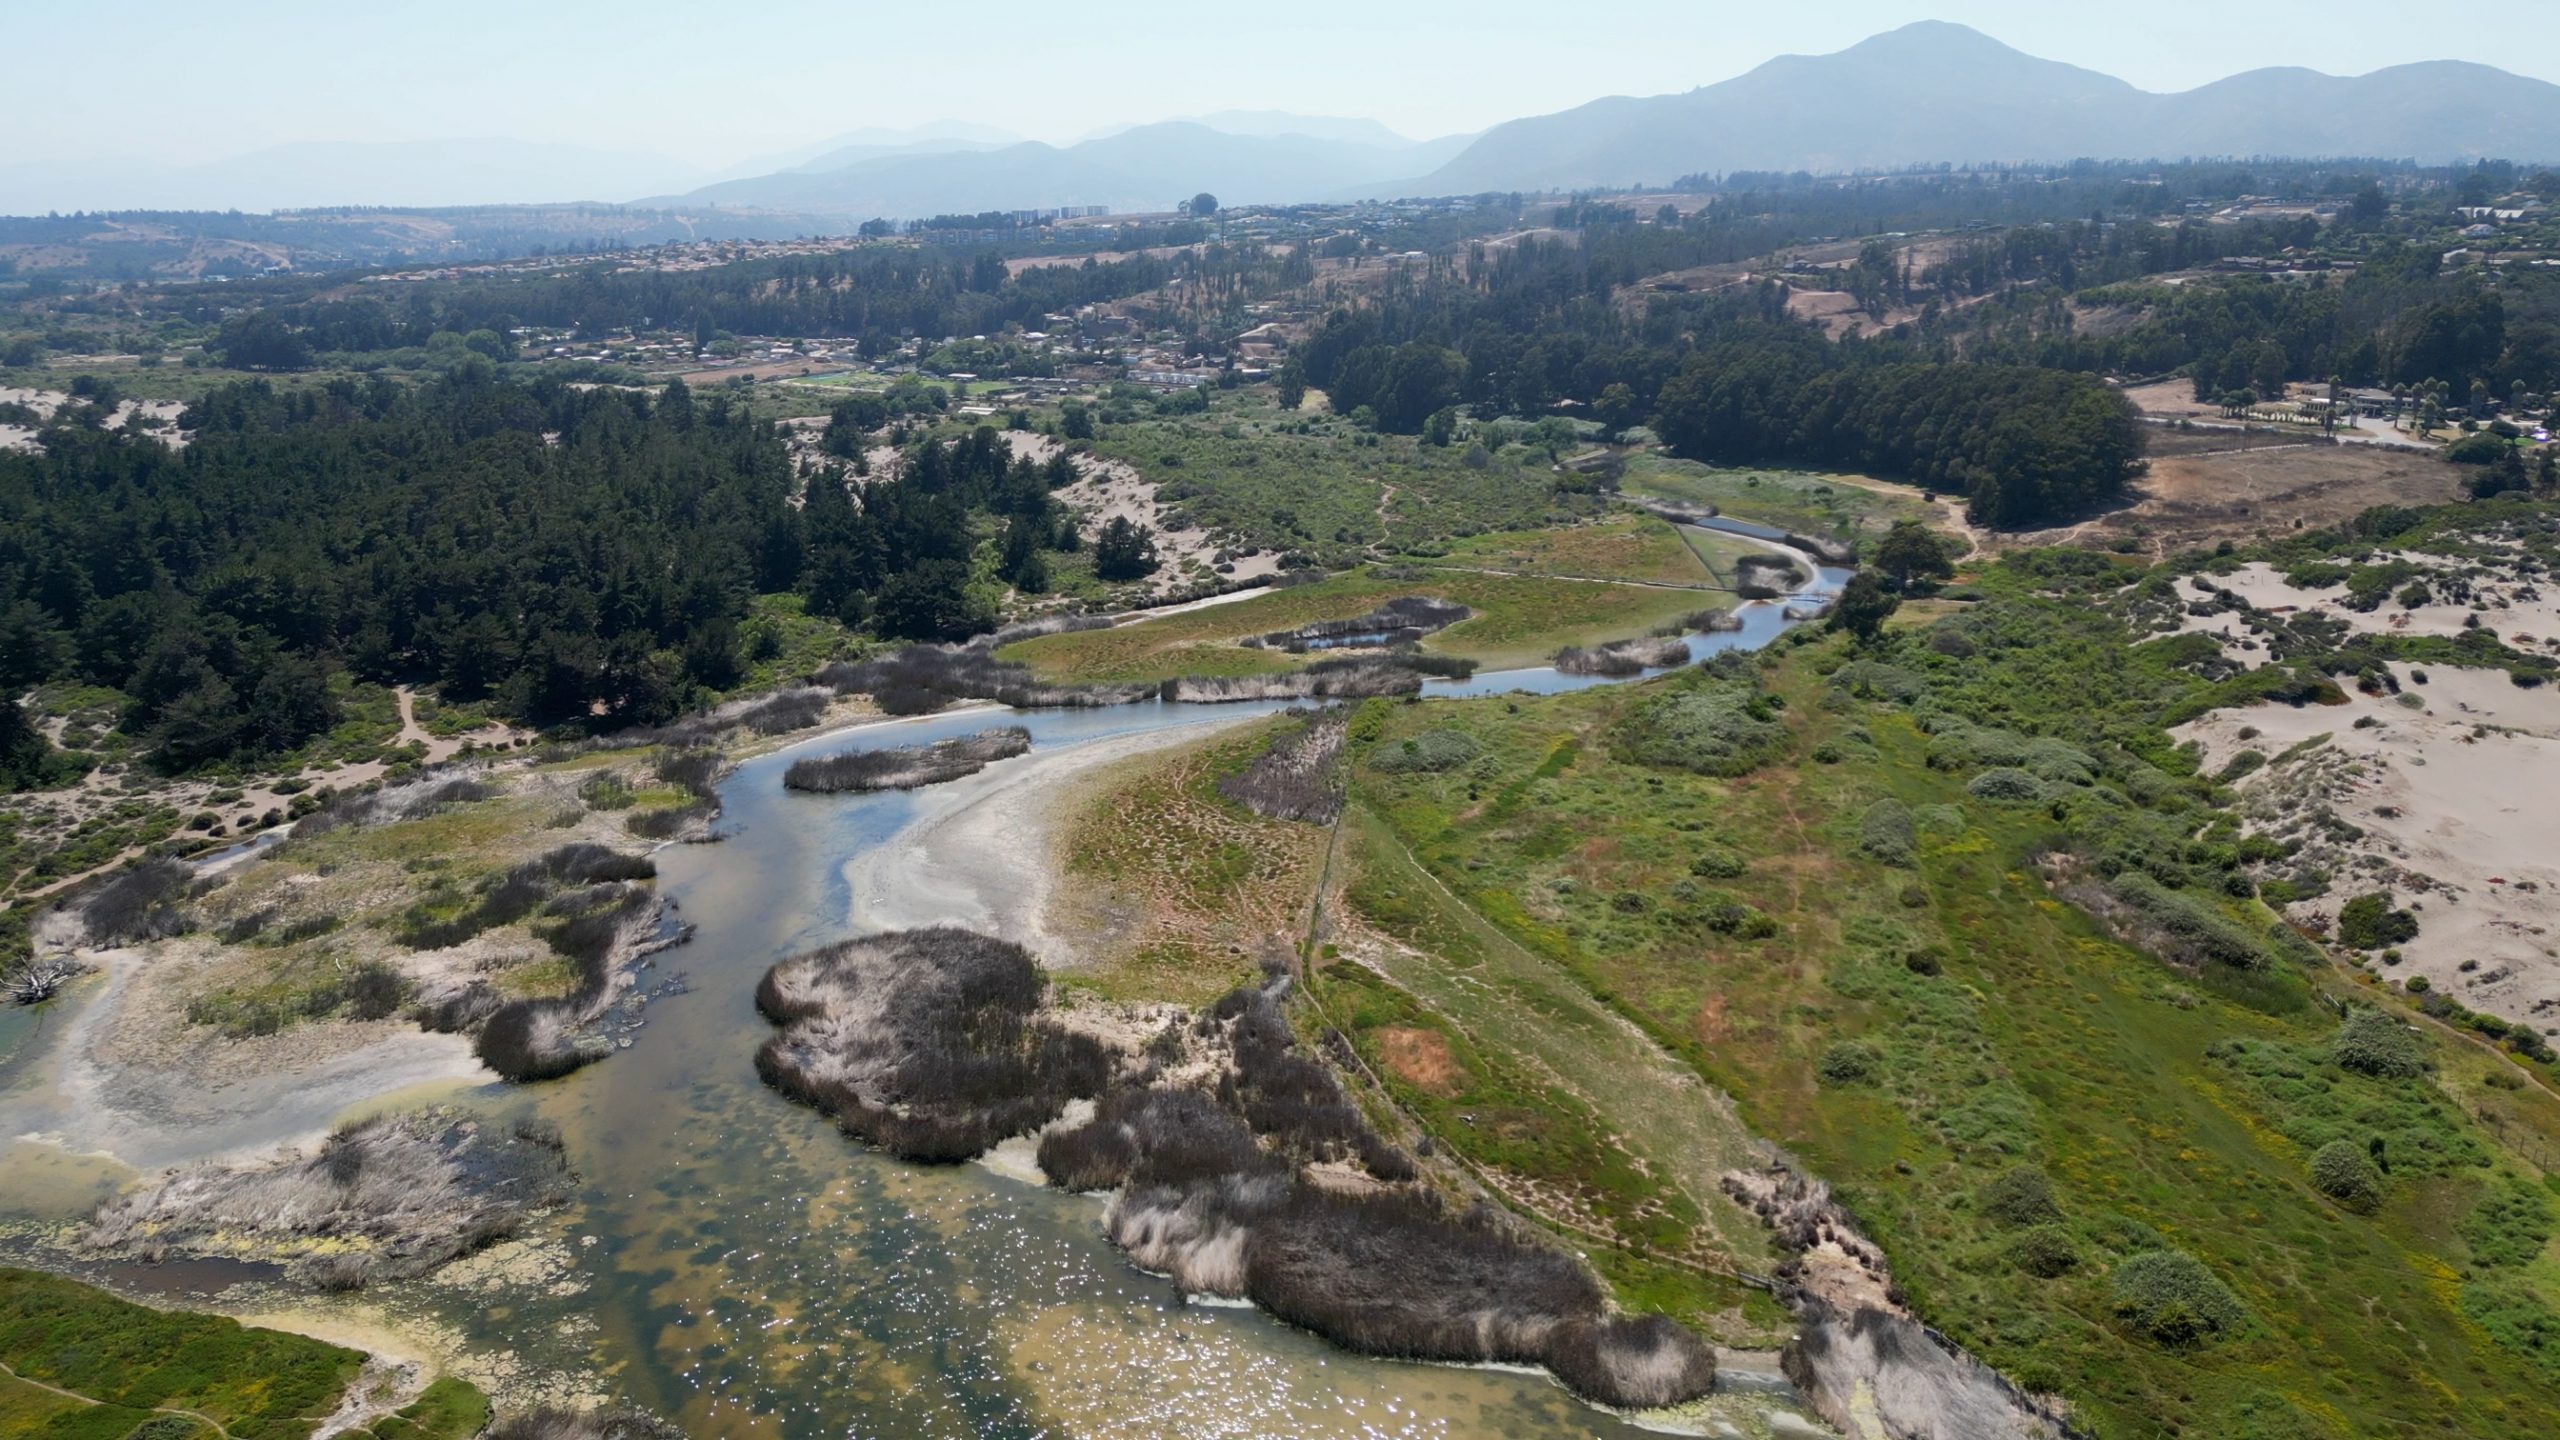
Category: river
[736,1264]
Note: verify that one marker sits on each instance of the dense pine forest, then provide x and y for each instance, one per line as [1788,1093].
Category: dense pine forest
[575,555]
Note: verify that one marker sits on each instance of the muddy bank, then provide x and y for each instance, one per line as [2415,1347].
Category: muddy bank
[385,1199]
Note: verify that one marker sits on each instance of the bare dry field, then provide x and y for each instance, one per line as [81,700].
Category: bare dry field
[2204,489]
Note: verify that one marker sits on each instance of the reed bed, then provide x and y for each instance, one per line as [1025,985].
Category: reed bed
[907,767]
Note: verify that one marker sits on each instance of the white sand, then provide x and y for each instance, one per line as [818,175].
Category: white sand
[978,852]
[128,1078]
[2457,805]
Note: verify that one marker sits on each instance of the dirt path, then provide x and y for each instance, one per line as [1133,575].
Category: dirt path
[79,1398]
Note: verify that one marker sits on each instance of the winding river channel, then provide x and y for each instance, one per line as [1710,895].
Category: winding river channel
[735,1263]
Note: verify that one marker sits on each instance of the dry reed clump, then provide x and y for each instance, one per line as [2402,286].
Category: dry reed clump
[517,892]
[927,1043]
[1296,776]
[1210,1193]
[1402,621]
[553,1423]
[797,707]
[1344,679]
[1766,577]
[1624,658]
[923,678]
[1712,622]
[383,1199]
[145,902]
[597,930]
[392,804]
[906,767]
[1045,625]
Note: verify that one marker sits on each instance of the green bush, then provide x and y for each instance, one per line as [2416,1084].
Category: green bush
[2187,929]
[1716,863]
[2345,1174]
[2171,1298]
[2044,1251]
[2372,1043]
[2005,785]
[2368,922]
[1847,1062]
[1888,833]
[1431,751]
[1721,729]
[2019,1196]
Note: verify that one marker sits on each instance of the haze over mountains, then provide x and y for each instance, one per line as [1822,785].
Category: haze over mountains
[1926,93]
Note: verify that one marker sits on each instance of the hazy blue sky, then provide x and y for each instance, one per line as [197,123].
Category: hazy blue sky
[185,80]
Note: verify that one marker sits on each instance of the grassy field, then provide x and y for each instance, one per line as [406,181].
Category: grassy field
[1519,621]
[1180,892]
[1623,547]
[1910,1006]
[1791,500]
[84,1365]
[1323,488]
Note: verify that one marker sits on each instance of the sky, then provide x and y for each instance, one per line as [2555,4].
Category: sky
[181,81]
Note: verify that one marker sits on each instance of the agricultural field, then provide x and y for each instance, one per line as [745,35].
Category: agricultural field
[1518,621]
[1888,899]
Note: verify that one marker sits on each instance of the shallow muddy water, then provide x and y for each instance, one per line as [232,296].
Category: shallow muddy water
[736,1264]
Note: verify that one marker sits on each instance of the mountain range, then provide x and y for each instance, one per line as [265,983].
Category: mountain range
[1926,93]
[1933,92]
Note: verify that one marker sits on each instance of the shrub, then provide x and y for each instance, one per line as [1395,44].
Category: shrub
[1725,728]
[2020,1196]
[1715,863]
[2368,922]
[2182,928]
[1431,751]
[2171,1298]
[2372,1043]
[1847,1062]
[1889,834]
[2345,1174]
[2044,1251]
[147,902]
[2004,785]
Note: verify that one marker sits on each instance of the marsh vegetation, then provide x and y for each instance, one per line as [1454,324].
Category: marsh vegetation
[930,1044]
[382,1199]
[907,767]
